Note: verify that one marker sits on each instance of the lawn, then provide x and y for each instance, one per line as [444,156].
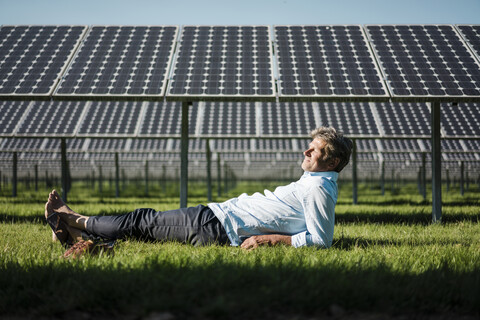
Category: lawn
[387,261]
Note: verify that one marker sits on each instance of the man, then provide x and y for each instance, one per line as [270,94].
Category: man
[299,214]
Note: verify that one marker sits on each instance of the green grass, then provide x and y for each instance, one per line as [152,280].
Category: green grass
[387,259]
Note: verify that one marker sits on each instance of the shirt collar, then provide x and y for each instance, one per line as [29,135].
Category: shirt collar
[333,175]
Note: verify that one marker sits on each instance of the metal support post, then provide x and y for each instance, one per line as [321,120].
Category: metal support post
[354,172]
[424,176]
[146,178]
[100,180]
[436,164]
[382,177]
[63,147]
[219,175]
[14,173]
[35,168]
[462,178]
[117,176]
[184,157]
[448,180]
[209,171]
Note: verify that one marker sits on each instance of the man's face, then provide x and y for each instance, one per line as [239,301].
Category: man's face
[313,158]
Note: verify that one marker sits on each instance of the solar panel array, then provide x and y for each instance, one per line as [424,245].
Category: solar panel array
[117,119]
[121,61]
[32,58]
[425,61]
[321,63]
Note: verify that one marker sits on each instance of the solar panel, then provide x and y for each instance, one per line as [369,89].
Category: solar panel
[326,62]
[21,144]
[237,145]
[162,119]
[400,145]
[32,58]
[105,145]
[403,119]
[121,61]
[461,120]
[291,119]
[223,62]
[275,145]
[366,145]
[107,118]
[425,62]
[51,118]
[471,34]
[11,113]
[150,145]
[350,118]
[227,119]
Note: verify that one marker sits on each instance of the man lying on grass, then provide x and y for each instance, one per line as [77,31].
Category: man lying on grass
[301,213]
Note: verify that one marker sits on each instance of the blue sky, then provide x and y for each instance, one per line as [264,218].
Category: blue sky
[239,12]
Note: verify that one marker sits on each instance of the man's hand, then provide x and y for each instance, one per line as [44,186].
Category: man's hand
[269,240]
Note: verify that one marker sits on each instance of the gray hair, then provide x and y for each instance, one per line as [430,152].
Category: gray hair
[337,146]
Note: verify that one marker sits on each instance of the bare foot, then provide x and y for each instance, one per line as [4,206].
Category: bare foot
[72,218]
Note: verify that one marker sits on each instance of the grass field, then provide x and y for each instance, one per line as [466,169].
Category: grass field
[387,261]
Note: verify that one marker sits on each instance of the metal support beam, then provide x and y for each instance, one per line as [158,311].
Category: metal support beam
[184,157]
[209,171]
[14,173]
[63,147]
[436,164]
[354,172]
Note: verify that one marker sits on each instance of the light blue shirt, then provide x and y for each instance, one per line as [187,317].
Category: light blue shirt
[304,209]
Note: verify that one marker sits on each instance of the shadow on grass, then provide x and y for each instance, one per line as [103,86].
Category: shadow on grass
[349,243]
[232,290]
[409,219]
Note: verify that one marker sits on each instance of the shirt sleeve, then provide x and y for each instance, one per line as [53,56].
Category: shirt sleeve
[319,210]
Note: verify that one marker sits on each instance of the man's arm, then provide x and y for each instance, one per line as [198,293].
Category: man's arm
[270,240]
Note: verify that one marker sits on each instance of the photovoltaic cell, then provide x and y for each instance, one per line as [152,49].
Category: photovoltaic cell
[10,114]
[350,118]
[461,120]
[110,118]
[149,145]
[287,118]
[326,62]
[32,58]
[51,118]
[404,119]
[238,145]
[425,62]
[121,61]
[223,62]
[471,34]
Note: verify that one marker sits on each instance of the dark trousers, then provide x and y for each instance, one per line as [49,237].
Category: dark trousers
[196,225]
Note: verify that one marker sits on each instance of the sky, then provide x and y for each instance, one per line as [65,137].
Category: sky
[238,12]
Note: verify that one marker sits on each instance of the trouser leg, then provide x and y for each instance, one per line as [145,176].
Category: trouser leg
[195,225]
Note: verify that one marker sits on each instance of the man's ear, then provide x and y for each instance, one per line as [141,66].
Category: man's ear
[332,164]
